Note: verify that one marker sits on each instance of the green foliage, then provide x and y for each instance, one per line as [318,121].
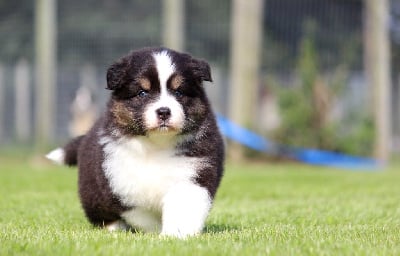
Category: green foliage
[308,60]
[359,138]
[305,108]
[259,210]
[296,127]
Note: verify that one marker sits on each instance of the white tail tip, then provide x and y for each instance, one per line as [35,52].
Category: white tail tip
[57,156]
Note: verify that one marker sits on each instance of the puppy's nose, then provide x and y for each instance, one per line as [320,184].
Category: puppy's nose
[163,113]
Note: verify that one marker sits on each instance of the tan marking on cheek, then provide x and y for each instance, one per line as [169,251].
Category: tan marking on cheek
[145,83]
[176,82]
[121,114]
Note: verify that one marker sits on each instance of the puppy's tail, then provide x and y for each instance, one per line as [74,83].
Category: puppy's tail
[67,155]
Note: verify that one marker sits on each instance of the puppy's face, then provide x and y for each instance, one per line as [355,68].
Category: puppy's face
[157,90]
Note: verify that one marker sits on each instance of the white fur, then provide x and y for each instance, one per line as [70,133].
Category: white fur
[165,69]
[159,184]
[146,220]
[185,209]
[57,156]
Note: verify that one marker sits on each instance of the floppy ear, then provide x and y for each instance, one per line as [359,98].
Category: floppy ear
[202,70]
[116,75]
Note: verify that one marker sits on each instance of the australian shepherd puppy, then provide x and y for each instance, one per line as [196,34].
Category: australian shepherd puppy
[154,160]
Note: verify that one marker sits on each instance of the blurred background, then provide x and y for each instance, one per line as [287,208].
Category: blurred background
[309,73]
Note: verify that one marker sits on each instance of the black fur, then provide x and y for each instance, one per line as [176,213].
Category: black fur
[99,203]
[71,151]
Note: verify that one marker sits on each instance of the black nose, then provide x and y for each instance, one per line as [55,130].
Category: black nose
[163,113]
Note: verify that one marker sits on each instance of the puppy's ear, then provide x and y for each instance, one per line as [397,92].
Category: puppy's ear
[116,75]
[202,70]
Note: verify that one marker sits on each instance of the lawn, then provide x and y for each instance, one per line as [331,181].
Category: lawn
[261,209]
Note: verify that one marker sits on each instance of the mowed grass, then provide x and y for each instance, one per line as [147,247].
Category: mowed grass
[261,209]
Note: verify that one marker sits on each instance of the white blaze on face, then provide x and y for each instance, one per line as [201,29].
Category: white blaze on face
[165,69]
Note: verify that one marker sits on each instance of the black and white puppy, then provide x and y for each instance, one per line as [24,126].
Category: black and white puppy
[154,160]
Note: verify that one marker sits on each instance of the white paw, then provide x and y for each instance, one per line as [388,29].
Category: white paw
[181,234]
[185,209]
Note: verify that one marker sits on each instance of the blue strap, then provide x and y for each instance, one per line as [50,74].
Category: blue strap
[310,156]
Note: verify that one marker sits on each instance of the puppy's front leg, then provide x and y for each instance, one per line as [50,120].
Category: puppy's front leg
[185,209]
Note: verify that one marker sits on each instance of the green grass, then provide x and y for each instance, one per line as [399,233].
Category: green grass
[261,209]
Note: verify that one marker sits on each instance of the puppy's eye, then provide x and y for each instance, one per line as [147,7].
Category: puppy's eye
[142,93]
[178,93]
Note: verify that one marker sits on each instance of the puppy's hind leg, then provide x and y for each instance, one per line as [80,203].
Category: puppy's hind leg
[185,209]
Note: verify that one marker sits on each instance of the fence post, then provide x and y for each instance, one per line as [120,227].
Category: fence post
[174,24]
[2,103]
[377,64]
[396,115]
[45,54]
[246,39]
[22,101]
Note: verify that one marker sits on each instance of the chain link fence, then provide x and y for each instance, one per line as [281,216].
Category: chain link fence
[328,35]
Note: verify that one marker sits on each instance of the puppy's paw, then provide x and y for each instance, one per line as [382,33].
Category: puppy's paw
[180,234]
[185,210]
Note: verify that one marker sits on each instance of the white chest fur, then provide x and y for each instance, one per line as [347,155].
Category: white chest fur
[158,184]
[141,173]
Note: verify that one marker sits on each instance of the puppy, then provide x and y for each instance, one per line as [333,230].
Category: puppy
[154,160]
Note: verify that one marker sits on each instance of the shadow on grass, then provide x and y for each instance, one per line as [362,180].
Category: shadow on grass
[212,228]
[220,228]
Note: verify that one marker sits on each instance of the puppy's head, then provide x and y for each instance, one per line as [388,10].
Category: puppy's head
[157,90]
